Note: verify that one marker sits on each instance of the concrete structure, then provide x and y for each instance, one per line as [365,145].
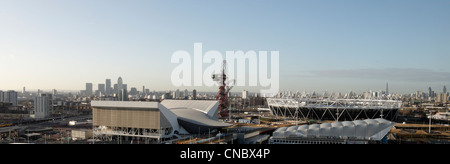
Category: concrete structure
[119,85]
[387,89]
[89,89]
[194,94]
[244,94]
[123,95]
[82,134]
[42,108]
[10,97]
[441,98]
[347,132]
[108,89]
[102,89]
[153,120]
[2,96]
[337,109]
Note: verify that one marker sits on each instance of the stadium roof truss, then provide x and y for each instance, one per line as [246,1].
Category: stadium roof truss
[329,109]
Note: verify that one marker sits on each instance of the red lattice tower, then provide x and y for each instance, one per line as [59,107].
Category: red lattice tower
[224,89]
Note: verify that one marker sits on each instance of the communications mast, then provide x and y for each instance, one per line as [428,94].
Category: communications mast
[224,89]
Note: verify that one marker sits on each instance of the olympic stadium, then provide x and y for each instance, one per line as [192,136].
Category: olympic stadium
[336,110]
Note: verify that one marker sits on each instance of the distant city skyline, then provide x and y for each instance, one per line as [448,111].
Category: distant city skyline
[436,89]
[335,46]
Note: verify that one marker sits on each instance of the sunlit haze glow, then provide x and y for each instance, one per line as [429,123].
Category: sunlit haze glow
[324,45]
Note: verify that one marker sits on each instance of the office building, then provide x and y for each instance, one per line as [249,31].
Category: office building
[441,98]
[186,94]
[123,95]
[430,92]
[108,89]
[387,89]
[101,88]
[2,96]
[42,106]
[133,91]
[119,85]
[194,94]
[89,90]
[9,97]
[244,94]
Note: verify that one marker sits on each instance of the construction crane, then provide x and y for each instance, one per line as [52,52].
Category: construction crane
[224,88]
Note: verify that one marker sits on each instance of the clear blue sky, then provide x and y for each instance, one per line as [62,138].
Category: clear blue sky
[334,45]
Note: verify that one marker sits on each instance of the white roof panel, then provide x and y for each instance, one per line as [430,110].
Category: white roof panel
[369,129]
[199,112]
[200,105]
[209,107]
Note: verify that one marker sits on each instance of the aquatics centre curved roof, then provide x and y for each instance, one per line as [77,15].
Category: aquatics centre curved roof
[369,129]
[181,116]
[195,115]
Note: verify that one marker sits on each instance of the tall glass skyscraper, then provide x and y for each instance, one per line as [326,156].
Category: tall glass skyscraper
[108,88]
[89,89]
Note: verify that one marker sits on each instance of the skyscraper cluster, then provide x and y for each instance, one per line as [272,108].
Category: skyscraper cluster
[118,90]
[438,97]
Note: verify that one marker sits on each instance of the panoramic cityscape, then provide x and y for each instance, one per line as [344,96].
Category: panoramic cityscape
[224,72]
[87,116]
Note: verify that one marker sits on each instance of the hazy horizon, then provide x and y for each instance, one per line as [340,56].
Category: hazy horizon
[334,46]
